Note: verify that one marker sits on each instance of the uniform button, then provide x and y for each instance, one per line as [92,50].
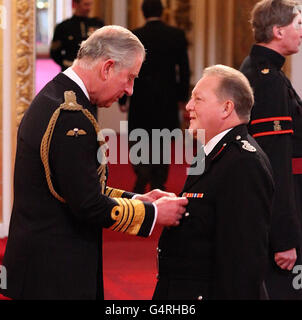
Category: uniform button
[199,298]
[158,250]
[238,137]
[187,214]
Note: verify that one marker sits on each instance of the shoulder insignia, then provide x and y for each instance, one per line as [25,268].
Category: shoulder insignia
[277,126]
[70,104]
[76,132]
[265,71]
[247,146]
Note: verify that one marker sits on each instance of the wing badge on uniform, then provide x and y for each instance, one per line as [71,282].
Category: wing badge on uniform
[247,146]
[76,132]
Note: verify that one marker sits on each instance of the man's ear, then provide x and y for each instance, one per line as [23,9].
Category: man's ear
[105,68]
[228,108]
[278,32]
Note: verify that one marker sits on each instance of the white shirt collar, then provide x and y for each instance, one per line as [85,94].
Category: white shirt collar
[212,143]
[74,77]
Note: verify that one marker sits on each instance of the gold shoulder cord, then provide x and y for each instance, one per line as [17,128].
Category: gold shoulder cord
[70,104]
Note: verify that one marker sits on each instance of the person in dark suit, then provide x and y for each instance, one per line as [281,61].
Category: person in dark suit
[220,249]
[276,124]
[70,33]
[61,200]
[161,89]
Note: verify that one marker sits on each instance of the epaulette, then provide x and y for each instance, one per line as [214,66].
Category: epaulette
[242,144]
[70,104]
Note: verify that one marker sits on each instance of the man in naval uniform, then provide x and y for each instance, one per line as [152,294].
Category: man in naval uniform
[276,124]
[61,200]
[69,34]
[220,248]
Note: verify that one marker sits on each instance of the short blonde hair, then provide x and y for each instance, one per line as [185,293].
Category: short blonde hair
[235,86]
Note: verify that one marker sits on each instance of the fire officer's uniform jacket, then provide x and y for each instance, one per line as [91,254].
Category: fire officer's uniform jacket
[220,248]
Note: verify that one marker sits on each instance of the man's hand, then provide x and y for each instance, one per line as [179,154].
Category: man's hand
[154,195]
[170,210]
[286,259]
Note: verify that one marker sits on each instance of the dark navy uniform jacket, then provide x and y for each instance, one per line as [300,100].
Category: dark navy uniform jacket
[68,36]
[54,249]
[220,248]
[276,124]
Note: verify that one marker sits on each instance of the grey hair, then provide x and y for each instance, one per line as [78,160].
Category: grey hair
[268,13]
[110,42]
[235,86]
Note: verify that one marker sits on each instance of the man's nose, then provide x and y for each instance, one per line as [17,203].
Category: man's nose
[129,89]
[189,105]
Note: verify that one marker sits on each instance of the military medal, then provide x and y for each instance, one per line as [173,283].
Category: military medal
[193,195]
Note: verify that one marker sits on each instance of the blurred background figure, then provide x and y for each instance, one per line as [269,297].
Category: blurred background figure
[276,123]
[161,89]
[70,33]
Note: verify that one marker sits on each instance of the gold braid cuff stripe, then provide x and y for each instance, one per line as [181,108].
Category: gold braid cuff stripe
[70,104]
[114,193]
[129,216]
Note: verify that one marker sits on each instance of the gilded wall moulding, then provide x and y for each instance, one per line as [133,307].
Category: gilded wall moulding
[25,55]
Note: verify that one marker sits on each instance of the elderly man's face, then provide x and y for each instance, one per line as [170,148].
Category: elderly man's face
[292,36]
[205,108]
[117,84]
